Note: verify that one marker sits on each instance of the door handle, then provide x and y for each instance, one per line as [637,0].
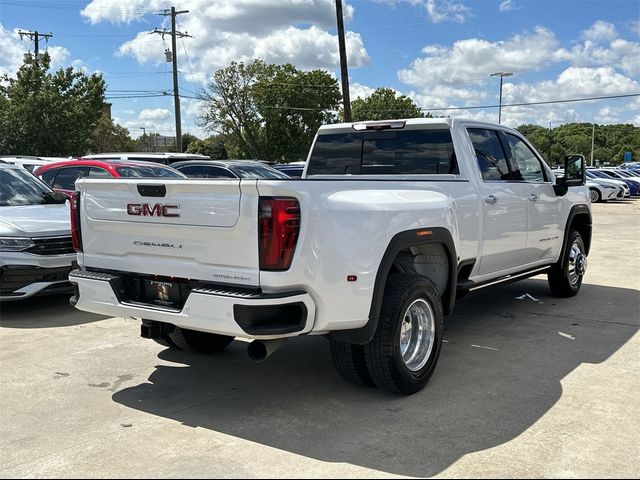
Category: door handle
[533,197]
[491,199]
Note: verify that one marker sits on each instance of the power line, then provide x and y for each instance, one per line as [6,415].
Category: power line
[523,104]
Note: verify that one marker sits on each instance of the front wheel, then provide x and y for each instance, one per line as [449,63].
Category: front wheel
[594,195]
[404,351]
[200,342]
[565,281]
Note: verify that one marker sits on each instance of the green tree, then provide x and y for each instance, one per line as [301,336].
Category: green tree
[108,136]
[383,104]
[269,112]
[609,142]
[188,139]
[49,114]
[213,146]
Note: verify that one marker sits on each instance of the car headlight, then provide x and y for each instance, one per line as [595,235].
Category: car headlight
[15,244]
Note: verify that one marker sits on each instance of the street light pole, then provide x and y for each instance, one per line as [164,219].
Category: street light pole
[501,75]
[593,137]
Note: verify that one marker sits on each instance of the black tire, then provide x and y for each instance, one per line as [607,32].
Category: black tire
[597,198]
[565,281]
[383,355]
[200,342]
[350,363]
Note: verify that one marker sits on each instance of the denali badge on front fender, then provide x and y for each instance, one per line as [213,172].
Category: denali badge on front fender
[157,210]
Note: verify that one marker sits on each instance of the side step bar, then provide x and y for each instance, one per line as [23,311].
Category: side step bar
[466,286]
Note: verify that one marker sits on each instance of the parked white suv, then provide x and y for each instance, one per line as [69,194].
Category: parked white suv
[36,252]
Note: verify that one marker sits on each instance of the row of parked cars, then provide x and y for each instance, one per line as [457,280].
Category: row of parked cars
[36,251]
[35,240]
[611,183]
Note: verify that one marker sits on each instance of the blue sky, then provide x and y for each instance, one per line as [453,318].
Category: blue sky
[439,52]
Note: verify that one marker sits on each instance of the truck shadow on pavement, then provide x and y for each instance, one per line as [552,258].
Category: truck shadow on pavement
[500,372]
[48,311]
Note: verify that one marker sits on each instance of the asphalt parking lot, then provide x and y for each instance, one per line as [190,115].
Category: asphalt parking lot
[527,386]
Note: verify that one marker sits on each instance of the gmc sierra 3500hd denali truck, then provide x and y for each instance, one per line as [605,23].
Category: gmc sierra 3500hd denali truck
[391,221]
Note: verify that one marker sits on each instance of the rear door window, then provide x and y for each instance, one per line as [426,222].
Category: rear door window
[218,172]
[194,171]
[49,176]
[384,153]
[97,172]
[67,176]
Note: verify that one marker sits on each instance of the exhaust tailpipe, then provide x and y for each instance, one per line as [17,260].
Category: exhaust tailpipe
[260,350]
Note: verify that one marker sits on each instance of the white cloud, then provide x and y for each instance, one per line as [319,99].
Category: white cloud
[438,10]
[608,115]
[59,57]
[278,31]
[506,5]
[445,10]
[121,12]
[154,114]
[457,75]
[12,50]
[634,26]
[357,90]
[471,61]
[600,30]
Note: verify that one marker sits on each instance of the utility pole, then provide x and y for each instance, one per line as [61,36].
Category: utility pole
[550,139]
[344,73]
[174,54]
[35,37]
[144,138]
[500,74]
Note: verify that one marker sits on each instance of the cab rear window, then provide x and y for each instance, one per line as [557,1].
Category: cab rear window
[384,153]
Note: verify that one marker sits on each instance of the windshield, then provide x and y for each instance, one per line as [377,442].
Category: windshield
[257,171]
[149,171]
[19,187]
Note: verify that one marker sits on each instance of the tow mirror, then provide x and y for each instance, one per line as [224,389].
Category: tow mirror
[574,174]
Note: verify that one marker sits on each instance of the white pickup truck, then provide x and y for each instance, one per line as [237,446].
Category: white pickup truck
[389,224]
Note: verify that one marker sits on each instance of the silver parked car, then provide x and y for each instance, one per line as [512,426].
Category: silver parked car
[36,252]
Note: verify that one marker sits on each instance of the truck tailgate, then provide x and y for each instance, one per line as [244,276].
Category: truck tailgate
[188,228]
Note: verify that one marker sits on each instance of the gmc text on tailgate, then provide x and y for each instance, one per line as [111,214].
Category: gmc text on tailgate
[390,223]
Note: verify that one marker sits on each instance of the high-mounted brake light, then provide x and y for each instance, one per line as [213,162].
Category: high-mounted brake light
[76,234]
[378,125]
[278,230]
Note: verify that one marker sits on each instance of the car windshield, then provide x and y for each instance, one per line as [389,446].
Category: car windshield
[19,187]
[147,171]
[257,171]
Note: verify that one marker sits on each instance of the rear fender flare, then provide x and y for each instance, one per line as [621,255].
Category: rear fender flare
[401,241]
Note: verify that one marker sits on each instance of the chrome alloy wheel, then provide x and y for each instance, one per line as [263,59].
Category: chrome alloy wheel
[594,195]
[577,263]
[417,335]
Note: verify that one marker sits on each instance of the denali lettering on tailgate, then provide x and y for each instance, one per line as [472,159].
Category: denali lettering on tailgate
[146,210]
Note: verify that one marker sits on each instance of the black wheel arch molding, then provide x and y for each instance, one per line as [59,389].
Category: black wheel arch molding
[579,219]
[401,241]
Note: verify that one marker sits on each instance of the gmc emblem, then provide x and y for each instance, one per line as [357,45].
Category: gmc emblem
[157,210]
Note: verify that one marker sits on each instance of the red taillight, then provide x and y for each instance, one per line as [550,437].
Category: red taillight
[279,227]
[76,234]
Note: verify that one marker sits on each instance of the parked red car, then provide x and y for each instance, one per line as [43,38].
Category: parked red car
[62,176]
